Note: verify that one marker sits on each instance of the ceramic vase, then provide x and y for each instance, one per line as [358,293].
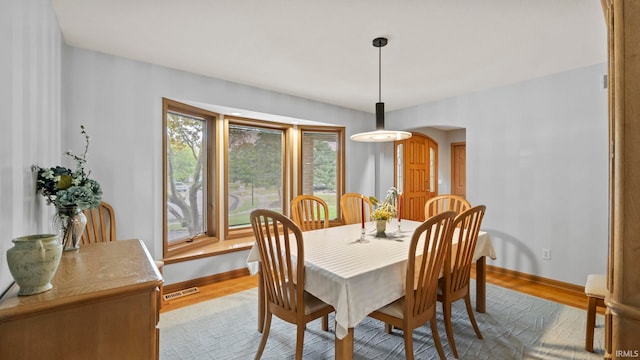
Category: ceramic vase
[70,223]
[381,226]
[33,260]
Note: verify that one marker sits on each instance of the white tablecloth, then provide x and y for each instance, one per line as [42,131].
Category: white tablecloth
[358,278]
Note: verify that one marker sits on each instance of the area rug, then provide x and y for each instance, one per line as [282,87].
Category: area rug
[515,326]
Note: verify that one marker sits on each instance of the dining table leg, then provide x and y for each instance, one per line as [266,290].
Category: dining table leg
[481,284]
[344,346]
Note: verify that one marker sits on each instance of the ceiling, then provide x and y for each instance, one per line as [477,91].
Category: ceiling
[322,49]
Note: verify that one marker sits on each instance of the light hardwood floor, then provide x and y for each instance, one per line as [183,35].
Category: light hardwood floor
[569,297]
[211,291]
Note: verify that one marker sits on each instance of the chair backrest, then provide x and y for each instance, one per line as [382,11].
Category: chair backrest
[460,257]
[440,203]
[101,224]
[351,206]
[424,270]
[310,212]
[279,240]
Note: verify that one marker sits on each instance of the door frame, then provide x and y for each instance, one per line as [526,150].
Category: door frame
[453,166]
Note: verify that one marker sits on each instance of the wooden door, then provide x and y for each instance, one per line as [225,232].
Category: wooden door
[459,169]
[416,174]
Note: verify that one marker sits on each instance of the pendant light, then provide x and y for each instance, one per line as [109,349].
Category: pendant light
[380,134]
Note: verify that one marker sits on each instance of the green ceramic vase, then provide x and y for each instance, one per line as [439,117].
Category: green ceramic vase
[33,260]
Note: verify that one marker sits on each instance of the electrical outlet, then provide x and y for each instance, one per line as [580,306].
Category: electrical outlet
[546,254]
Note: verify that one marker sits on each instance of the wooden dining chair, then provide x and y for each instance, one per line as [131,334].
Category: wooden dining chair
[101,224]
[596,290]
[279,241]
[454,285]
[310,212]
[440,203]
[351,207]
[423,269]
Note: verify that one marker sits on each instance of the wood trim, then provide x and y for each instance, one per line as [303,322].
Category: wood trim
[211,279]
[624,282]
[536,279]
[606,4]
[548,289]
[619,309]
[434,144]
[211,249]
[213,225]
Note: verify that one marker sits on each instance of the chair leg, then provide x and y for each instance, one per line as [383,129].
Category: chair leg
[467,301]
[265,335]
[446,312]
[388,328]
[325,323]
[436,337]
[408,344]
[299,341]
[591,323]
[261,302]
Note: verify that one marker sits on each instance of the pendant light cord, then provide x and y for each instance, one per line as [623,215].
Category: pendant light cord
[380,134]
[380,74]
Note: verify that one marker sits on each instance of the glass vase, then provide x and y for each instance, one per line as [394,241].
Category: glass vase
[70,224]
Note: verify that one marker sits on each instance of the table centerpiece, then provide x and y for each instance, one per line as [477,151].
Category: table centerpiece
[71,192]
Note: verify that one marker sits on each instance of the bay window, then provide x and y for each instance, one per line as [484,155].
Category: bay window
[219,168]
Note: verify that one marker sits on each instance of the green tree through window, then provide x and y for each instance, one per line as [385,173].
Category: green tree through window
[255,171]
[257,163]
[324,164]
[321,166]
[185,157]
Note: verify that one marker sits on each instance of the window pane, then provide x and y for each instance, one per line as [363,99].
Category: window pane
[320,168]
[185,177]
[255,172]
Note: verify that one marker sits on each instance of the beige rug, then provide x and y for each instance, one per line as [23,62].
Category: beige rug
[516,326]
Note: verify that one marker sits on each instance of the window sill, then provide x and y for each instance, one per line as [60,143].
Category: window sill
[212,249]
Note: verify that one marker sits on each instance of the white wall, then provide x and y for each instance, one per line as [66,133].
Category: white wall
[30,99]
[537,157]
[120,103]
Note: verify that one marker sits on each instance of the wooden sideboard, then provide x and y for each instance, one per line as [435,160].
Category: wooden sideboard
[104,305]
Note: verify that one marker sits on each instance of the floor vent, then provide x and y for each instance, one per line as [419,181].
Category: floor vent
[180,293]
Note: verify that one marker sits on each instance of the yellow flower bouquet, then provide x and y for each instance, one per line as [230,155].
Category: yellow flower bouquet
[387,209]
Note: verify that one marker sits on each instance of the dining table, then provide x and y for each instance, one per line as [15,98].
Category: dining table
[357,277]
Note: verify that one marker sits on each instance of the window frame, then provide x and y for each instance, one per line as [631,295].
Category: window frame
[287,176]
[212,191]
[340,171]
